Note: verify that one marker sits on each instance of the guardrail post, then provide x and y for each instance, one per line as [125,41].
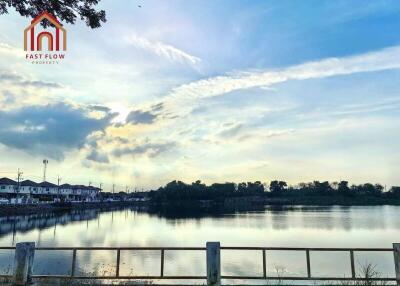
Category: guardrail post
[396,254]
[213,264]
[23,263]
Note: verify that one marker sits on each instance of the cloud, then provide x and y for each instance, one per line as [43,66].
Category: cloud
[10,50]
[95,156]
[99,108]
[8,97]
[49,130]
[162,50]
[157,107]
[231,130]
[20,81]
[384,59]
[262,135]
[150,149]
[141,117]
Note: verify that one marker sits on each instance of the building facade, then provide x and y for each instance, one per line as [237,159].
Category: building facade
[46,191]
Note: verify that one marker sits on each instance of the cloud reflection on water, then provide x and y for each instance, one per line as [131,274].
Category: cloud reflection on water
[336,226]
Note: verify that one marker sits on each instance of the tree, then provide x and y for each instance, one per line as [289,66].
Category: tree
[343,186]
[395,191]
[255,188]
[242,187]
[322,188]
[277,186]
[64,10]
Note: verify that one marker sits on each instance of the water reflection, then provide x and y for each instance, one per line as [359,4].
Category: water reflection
[302,226]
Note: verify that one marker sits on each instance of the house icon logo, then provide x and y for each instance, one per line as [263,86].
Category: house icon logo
[37,40]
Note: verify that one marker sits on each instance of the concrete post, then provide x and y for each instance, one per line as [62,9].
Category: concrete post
[213,264]
[396,254]
[23,263]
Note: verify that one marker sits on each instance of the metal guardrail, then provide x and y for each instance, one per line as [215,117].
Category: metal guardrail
[213,258]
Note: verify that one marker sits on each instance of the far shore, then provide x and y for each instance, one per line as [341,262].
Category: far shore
[249,203]
[27,209]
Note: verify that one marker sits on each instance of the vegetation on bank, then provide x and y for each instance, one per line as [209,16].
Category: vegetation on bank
[313,192]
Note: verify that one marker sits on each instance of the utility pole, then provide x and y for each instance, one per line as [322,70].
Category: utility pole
[58,185]
[100,191]
[45,162]
[113,188]
[19,178]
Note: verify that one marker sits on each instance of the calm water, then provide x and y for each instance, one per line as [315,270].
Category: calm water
[377,226]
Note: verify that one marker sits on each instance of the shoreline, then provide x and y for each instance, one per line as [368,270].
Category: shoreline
[251,203]
[7,210]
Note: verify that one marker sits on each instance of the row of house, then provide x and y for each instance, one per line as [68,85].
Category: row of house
[47,191]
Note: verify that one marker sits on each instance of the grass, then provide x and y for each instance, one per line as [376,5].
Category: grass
[368,273]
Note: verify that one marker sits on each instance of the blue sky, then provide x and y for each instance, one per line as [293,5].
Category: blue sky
[210,90]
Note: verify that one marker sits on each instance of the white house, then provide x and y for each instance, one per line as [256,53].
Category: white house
[91,192]
[78,190]
[47,188]
[66,190]
[7,186]
[28,187]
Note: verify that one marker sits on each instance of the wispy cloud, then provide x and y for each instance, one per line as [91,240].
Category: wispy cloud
[10,50]
[384,59]
[163,50]
[19,80]
[148,148]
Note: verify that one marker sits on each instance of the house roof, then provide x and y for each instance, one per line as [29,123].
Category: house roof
[7,181]
[82,187]
[29,183]
[47,185]
[66,186]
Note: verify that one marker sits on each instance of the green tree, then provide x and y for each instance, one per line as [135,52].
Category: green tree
[322,187]
[64,10]
[277,186]
[395,191]
[343,188]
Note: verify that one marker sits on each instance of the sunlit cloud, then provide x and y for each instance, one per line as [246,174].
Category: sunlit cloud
[384,59]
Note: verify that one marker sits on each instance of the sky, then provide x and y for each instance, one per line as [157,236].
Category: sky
[221,91]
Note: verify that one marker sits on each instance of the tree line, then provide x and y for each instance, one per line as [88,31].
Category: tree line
[178,190]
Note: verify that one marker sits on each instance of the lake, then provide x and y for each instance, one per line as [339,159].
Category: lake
[303,226]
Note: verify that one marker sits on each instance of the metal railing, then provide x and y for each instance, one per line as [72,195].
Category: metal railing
[213,260]
[118,251]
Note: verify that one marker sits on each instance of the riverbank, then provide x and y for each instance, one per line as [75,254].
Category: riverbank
[335,200]
[28,209]
[232,204]
[256,201]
